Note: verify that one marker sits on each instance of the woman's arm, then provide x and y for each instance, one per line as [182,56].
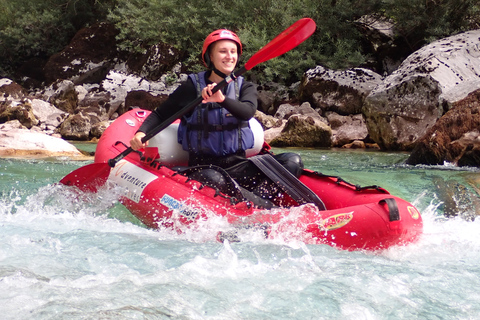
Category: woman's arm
[244,108]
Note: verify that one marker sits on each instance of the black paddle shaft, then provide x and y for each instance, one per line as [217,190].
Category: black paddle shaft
[180,113]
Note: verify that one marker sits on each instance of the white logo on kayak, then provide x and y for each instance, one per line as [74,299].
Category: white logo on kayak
[132,178]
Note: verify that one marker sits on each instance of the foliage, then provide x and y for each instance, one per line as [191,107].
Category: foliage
[39,28]
[420,22]
[336,44]
[185,25]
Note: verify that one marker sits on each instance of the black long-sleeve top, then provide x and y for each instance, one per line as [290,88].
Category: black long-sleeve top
[244,108]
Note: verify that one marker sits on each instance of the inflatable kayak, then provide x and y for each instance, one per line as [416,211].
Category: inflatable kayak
[162,192]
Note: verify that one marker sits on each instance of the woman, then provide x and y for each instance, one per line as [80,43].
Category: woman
[216,132]
[227,114]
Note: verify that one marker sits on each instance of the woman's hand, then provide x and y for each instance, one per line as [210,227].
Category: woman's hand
[209,97]
[136,142]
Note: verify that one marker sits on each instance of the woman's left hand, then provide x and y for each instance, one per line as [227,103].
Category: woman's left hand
[209,97]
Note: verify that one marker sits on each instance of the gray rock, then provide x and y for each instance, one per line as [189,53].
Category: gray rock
[340,91]
[400,110]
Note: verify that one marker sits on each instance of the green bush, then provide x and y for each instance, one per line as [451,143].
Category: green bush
[39,28]
[335,44]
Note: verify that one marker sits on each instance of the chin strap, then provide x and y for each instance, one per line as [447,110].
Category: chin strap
[218,72]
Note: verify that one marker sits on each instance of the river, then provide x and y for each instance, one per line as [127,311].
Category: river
[68,257]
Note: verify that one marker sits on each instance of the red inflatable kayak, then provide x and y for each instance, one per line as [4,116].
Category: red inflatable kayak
[161,195]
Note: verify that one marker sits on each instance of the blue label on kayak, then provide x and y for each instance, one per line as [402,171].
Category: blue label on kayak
[173,204]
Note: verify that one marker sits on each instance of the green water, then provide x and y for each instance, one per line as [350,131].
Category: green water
[67,256]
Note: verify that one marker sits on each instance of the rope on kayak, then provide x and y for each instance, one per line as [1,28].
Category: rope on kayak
[286,180]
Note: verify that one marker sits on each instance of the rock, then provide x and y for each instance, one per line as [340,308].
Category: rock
[286,110]
[304,131]
[15,142]
[119,84]
[22,112]
[76,127]
[400,110]
[267,121]
[453,136]
[470,155]
[271,95]
[98,129]
[342,92]
[158,60]
[10,125]
[47,114]
[143,100]
[11,90]
[355,145]
[346,129]
[273,133]
[387,49]
[266,101]
[97,102]
[88,57]
[63,95]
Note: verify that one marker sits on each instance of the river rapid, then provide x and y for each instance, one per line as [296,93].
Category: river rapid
[68,256]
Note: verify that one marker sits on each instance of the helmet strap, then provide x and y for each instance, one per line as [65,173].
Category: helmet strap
[218,72]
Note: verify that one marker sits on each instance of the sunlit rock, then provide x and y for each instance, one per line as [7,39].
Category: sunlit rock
[18,142]
[408,102]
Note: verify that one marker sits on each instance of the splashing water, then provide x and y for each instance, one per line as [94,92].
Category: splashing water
[70,256]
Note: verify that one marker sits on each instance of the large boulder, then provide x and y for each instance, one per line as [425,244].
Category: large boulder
[157,61]
[407,103]
[342,92]
[88,57]
[16,141]
[454,138]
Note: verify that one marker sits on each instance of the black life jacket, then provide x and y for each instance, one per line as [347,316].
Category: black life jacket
[211,129]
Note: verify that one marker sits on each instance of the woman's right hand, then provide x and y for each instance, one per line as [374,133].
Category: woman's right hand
[136,142]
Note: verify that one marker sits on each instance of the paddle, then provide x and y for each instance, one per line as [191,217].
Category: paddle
[89,177]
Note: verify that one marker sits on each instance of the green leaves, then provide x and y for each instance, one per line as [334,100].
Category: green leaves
[33,28]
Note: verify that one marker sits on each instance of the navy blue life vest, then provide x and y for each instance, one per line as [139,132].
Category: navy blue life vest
[211,129]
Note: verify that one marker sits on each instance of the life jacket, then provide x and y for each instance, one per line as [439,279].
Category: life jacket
[211,129]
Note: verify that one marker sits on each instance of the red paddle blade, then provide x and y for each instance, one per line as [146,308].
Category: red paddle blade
[89,177]
[284,42]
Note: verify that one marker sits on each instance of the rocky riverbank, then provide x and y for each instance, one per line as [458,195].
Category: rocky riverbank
[429,105]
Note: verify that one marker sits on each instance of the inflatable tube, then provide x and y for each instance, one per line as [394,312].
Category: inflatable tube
[172,153]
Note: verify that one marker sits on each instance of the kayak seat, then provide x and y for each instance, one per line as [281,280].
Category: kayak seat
[219,179]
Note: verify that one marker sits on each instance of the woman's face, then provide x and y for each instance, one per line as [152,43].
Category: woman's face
[224,55]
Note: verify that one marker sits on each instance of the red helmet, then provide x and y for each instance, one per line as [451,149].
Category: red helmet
[221,34]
